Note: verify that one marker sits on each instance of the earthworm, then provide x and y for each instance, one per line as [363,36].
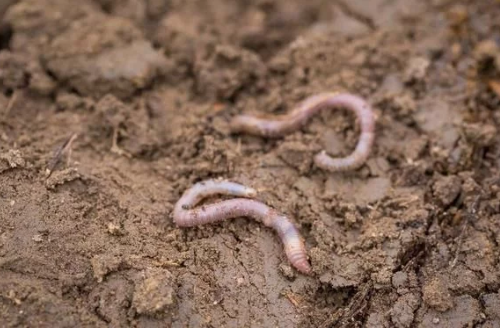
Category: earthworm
[185,215]
[279,126]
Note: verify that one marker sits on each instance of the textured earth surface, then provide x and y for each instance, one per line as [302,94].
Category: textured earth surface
[412,239]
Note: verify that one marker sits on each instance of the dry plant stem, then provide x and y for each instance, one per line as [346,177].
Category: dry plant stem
[279,126]
[10,104]
[65,148]
[187,216]
[471,216]
[115,148]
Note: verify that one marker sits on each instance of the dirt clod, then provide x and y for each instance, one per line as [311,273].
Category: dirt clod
[227,70]
[155,293]
[105,264]
[492,305]
[465,313]
[402,313]
[416,70]
[437,296]
[11,159]
[446,189]
[97,56]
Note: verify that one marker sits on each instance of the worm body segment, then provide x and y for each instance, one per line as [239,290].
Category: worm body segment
[185,215]
[279,126]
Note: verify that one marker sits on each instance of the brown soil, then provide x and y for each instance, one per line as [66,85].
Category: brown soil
[412,239]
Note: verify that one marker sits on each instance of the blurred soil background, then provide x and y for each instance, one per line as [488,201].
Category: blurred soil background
[412,239]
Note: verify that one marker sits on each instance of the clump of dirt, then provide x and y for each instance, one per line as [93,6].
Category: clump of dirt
[227,70]
[100,55]
[411,239]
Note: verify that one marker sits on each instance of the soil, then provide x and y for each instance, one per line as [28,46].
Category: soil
[412,239]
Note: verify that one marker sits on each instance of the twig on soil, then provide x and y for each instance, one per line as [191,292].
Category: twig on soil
[292,298]
[285,124]
[344,317]
[115,148]
[413,261]
[471,214]
[10,104]
[186,216]
[65,148]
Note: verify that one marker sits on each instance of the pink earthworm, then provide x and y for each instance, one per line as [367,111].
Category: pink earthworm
[185,215]
[279,126]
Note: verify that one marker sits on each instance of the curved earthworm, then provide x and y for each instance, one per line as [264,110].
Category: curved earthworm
[186,216]
[279,126]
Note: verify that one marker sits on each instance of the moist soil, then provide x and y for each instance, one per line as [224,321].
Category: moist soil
[411,239]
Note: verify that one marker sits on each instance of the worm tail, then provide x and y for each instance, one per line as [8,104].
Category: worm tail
[294,246]
[186,216]
[278,126]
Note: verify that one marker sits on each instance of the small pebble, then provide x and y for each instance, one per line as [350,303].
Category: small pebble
[240,281]
[37,238]
[114,229]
